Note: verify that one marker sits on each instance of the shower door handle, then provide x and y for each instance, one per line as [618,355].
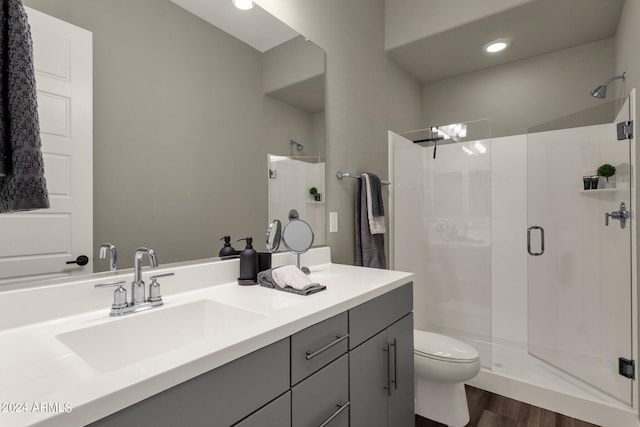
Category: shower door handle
[535,227]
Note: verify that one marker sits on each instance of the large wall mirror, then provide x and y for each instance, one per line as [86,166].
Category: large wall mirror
[189,98]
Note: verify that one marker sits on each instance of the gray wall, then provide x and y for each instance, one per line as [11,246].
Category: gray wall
[181,129]
[626,44]
[279,71]
[525,93]
[366,95]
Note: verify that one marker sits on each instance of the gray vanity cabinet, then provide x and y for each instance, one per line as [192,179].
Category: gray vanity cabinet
[381,363]
[316,346]
[275,414]
[368,375]
[218,398]
[323,398]
[332,374]
[401,398]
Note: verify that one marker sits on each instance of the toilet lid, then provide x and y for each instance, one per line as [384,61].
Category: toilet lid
[442,347]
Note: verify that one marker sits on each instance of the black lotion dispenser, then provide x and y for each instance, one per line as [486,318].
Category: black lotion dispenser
[248,264]
[227,250]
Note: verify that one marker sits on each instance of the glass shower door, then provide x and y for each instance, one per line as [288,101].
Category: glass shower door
[441,228]
[579,268]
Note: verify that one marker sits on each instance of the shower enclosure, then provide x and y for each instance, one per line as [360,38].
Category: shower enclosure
[514,256]
[290,179]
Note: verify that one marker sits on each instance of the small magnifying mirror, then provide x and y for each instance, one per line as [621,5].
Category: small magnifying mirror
[298,237]
[274,233]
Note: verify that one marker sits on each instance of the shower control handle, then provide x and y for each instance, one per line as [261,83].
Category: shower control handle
[621,215]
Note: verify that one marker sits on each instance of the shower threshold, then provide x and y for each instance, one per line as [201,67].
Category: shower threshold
[520,376]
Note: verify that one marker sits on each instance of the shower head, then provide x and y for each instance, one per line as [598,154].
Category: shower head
[601,91]
[299,147]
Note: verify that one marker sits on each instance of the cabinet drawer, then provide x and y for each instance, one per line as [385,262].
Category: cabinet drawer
[373,316]
[218,398]
[275,414]
[323,398]
[316,346]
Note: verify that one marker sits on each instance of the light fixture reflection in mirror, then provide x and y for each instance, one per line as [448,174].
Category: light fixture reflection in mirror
[291,180]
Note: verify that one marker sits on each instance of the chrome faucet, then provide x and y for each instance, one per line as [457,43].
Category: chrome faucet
[137,286]
[138,302]
[113,255]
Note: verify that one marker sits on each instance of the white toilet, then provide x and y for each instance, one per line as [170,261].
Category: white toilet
[442,365]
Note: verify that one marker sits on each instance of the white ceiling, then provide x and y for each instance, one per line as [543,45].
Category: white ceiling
[256,27]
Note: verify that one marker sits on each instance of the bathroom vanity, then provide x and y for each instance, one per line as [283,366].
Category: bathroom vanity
[343,356]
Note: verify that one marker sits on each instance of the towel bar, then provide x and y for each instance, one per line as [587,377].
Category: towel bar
[341,175]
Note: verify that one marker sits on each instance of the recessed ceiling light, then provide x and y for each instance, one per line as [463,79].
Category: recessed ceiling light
[496,45]
[243,4]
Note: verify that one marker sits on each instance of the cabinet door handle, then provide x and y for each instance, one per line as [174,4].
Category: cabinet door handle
[388,351]
[395,364]
[341,409]
[338,340]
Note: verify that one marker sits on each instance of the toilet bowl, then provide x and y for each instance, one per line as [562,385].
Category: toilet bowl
[442,365]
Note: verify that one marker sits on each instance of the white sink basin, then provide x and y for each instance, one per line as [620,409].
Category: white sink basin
[140,336]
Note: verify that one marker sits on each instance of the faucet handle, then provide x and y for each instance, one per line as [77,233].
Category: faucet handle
[119,295]
[154,287]
[157,276]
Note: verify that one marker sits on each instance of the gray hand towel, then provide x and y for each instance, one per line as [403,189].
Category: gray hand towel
[377,204]
[369,247]
[22,181]
[265,278]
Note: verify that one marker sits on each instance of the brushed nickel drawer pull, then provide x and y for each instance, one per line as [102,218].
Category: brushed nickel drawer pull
[341,408]
[395,363]
[387,350]
[338,340]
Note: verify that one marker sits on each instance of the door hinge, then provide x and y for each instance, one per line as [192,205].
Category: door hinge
[627,368]
[625,130]
[273,174]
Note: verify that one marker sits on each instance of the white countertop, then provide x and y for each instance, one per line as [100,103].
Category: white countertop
[45,383]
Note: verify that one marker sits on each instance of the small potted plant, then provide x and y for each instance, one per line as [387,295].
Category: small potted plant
[313,191]
[606,171]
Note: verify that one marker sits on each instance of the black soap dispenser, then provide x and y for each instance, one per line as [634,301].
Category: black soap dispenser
[227,250]
[248,264]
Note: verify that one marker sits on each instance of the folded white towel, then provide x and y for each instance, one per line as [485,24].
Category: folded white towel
[292,276]
[376,223]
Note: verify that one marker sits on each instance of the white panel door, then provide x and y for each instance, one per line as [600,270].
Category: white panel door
[579,286]
[40,242]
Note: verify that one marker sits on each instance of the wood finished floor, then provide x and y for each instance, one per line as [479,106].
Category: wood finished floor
[491,410]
